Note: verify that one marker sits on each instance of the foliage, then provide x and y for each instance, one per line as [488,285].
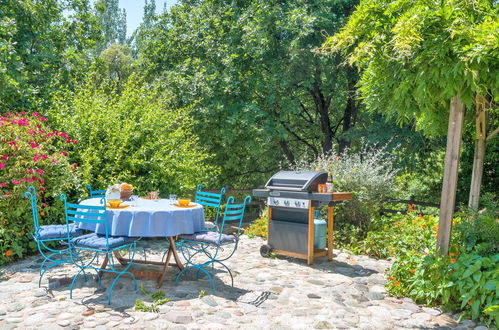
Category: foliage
[397,235]
[464,280]
[112,23]
[414,57]
[31,154]
[158,298]
[255,84]
[259,227]
[133,136]
[41,48]
[369,174]
[479,235]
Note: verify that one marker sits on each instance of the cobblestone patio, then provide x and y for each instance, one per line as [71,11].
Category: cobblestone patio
[345,293]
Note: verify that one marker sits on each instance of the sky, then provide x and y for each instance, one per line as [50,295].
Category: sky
[135,10]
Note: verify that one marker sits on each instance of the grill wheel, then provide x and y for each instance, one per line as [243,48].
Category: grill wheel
[265,250]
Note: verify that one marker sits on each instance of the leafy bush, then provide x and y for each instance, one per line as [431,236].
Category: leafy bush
[397,235]
[480,234]
[464,280]
[369,174]
[31,154]
[133,136]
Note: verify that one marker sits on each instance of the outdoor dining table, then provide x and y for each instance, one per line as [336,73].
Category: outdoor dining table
[149,218]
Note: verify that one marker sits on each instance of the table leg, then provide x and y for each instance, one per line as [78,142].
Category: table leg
[171,251]
[120,258]
[103,266]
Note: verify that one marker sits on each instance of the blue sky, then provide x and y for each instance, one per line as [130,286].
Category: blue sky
[135,10]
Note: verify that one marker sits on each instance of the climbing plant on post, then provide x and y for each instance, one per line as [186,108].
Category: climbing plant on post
[425,63]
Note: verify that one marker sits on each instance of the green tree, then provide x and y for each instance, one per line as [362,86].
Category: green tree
[112,22]
[261,95]
[40,48]
[417,58]
[132,135]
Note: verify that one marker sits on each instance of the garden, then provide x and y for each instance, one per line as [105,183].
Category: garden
[396,101]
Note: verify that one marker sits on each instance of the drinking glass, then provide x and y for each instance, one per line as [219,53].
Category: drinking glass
[134,199]
[173,199]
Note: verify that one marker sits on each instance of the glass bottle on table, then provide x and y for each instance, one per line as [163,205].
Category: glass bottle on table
[329,183]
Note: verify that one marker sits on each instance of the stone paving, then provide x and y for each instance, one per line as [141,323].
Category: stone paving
[347,292]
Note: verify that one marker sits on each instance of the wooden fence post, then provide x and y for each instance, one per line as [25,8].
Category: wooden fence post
[449,185]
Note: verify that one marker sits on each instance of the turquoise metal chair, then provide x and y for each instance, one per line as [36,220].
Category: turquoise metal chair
[97,243]
[210,244]
[47,234]
[213,200]
[96,193]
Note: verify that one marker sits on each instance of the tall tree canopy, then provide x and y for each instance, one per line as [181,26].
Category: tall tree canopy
[416,55]
[258,89]
[39,46]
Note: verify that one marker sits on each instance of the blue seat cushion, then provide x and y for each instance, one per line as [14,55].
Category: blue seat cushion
[209,225]
[210,237]
[58,231]
[97,241]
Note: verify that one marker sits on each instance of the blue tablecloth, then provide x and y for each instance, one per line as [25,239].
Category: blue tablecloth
[148,219]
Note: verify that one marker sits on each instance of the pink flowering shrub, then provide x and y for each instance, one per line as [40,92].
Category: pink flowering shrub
[30,154]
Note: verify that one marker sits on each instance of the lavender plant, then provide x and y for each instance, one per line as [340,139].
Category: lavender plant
[368,173]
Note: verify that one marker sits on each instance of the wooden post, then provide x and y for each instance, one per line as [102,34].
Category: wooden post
[330,228]
[449,185]
[479,156]
[310,248]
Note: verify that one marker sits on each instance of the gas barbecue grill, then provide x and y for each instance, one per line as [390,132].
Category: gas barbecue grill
[291,198]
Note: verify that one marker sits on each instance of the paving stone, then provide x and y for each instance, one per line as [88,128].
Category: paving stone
[151,316]
[431,311]
[16,307]
[179,317]
[323,325]
[209,301]
[481,327]
[467,323]
[313,296]
[373,295]
[35,319]
[2,312]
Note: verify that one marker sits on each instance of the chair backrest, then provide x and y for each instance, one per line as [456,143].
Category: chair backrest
[86,214]
[209,199]
[31,194]
[96,193]
[234,212]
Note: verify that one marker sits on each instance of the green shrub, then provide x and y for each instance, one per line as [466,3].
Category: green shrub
[31,154]
[397,235]
[465,282]
[369,174]
[133,135]
[259,227]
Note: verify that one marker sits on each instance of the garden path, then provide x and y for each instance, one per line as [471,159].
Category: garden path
[344,293]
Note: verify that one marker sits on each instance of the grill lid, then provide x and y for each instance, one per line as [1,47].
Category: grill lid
[296,180]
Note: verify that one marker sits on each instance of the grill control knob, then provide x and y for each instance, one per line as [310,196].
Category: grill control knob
[286,202]
[276,201]
[297,203]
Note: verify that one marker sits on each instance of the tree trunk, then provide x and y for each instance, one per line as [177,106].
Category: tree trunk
[350,113]
[449,185]
[479,156]
[287,152]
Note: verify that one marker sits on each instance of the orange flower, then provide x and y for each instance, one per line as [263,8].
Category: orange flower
[468,303]
[412,271]
[472,219]
[452,254]
[391,278]
[410,207]
[435,227]
[8,253]
[453,260]
[42,214]
[396,283]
